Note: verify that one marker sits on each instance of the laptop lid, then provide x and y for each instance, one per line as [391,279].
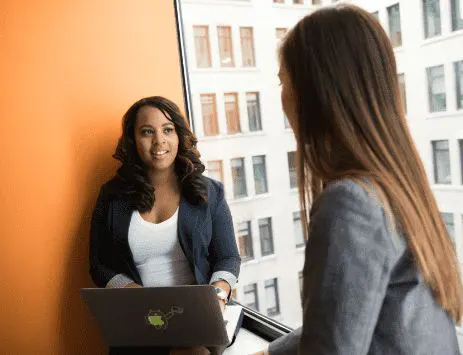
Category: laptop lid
[181,316]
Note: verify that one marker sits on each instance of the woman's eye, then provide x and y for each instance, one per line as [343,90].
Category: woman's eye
[147,132]
[168,130]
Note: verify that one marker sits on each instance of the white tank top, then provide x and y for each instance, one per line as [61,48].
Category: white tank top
[157,253]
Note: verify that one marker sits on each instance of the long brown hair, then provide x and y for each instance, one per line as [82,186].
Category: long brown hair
[350,123]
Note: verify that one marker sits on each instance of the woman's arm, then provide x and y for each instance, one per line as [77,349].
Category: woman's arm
[101,274]
[223,252]
[348,262]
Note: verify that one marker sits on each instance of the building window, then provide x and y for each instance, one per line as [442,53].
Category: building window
[431,17]
[253,105]
[461,159]
[266,236]
[202,47]
[287,125]
[209,110]
[449,224]
[280,33]
[301,284]
[271,296]
[402,90]
[436,88]
[457,14]
[247,47]
[225,46]
[245,241]
[239,178]
[459,83]
[395,31]
[376,15]
[298,2]
[215,170]
[232,113]
[316,2]
[260,174]
[292,169]
[298,232]
[250,296]
[441,160]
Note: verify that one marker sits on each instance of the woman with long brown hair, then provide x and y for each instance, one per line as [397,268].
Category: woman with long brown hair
[380,274]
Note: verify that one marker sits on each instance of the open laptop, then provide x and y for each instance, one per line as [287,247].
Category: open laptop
[180,316]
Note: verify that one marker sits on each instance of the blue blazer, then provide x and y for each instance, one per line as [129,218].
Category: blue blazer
[205,233]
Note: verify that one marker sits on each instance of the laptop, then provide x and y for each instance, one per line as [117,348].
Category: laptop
[181,316]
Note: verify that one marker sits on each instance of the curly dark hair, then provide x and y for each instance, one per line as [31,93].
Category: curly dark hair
[132,180]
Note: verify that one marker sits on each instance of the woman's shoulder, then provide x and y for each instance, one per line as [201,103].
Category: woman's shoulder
[215,189]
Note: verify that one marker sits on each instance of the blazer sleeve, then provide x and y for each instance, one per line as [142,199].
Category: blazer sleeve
[347,268]
[223,251]
[101,274]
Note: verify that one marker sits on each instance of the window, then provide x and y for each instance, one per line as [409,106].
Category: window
[431,17]
[436,88]
[441,159]
[209,110]
[245,241]
[215,170]
[225,46]
[316,2]
[298,2]
[239,178]
[247,47]
[402,90]
[266,236]
[461,159]
[457,14]
[280,33]
[287,125]
[301,284]
[298,232]
[449,224]
[376,15]
[260,174]
[271,297]
[232,113]
[202,47]
[253,105]
[250,296]
[395,31]
[292,169]
[459,83]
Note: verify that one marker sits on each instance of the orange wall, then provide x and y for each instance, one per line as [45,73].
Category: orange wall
[69,70]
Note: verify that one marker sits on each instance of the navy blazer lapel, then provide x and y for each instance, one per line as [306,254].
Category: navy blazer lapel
[190,226]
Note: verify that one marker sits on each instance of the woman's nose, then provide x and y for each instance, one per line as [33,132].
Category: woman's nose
[159,137]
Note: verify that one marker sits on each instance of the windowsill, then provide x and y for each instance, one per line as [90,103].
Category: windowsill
[249,262]
[441,37]
[214,70]
[447,187]
[269,257]
[249,198]
[247,3]
[235,135]
[443,114]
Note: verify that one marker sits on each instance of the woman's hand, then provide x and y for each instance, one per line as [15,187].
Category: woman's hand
[133,285]
[263,352]
[199,350]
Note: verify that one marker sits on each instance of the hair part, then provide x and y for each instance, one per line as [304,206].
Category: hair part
[132,175]
[351,124]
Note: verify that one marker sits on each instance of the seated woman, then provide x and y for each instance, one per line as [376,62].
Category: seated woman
[381,274]
[159,221]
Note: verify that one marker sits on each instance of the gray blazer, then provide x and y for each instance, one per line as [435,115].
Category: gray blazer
[362,292]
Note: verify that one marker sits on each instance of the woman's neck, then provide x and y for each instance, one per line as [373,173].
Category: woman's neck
[164,179]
